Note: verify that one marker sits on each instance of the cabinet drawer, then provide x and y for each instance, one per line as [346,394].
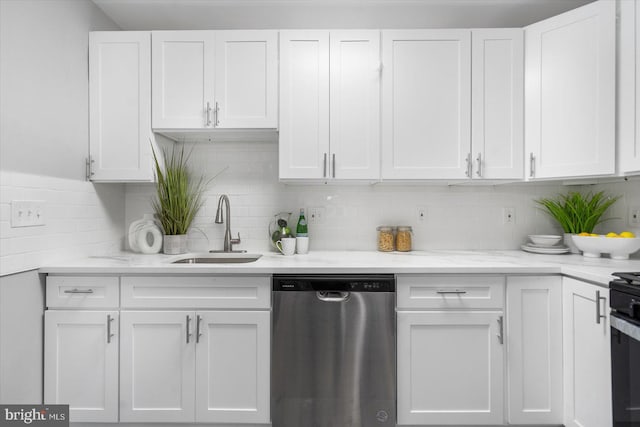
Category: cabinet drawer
[82,292]
[196,292]
[444,292]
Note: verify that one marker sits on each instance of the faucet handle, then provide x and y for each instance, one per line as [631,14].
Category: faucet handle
[236,241]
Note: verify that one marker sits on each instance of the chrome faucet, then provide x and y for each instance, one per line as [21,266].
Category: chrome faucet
[228,240]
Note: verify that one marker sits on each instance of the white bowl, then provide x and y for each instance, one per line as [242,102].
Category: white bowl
[616,247]
[544,239]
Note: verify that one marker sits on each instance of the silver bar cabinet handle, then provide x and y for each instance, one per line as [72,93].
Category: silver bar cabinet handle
[198,333]
[109,334]
[78,291]
[217,114]
[468,171]
[457,292]
[333,165]
[479,160]
[208,114]
[598,312]
[500,330]
[532,165]
[324,168]
[188,329]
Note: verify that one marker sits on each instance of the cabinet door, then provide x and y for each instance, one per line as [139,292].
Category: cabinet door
[355,104]
[497,132]
[120,106]
[629,87]
[233,367]
[534,346]
[587,355]
[570,93]
[450,368]
[157,366]
[246,85]
[183,79]
[304,104]
[426,103]
[81,363]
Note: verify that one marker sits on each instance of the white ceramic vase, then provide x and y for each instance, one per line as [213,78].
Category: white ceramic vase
[175,244]
[568,242]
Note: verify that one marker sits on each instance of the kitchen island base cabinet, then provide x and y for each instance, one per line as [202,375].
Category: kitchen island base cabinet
[81,363]
[534,348]
[204,367]
[450,368]
[587,355]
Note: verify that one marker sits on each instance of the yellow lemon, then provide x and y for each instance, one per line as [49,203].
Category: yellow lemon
[627,234]
[594,235]
[612,234]
[584,233]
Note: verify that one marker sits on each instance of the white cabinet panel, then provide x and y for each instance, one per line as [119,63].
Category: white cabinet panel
[82,291]
[120,106]
[629,87]
[81,363]
[304,104]
[534,348]
[182,69]
[157,372]
[497,136]
[587,355]
[246,79]
[426,103]
[355,104]
[450,368]
[233,367]
[570,93]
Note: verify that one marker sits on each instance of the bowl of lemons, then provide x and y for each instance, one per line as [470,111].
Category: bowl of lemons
[618,246]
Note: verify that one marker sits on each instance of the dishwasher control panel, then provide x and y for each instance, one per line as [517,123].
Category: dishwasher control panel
[328,282]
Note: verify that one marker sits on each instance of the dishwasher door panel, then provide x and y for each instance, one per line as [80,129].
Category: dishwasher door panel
[333,362]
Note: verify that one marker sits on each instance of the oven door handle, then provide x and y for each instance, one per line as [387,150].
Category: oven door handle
[625,326]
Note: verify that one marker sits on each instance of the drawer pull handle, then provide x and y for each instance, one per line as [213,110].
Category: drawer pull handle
[78,291]
[456,292]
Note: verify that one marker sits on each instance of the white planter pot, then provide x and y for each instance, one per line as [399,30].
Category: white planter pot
[568,241]
[175,244]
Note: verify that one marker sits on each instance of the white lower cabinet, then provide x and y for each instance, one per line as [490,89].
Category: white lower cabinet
[587,355]
[81,363]
[184,366]
[534,348]
[450,368]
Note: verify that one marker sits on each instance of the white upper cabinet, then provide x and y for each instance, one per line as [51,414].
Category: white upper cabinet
[329,104]
[304,104]
[214,79]
[426,103]
[120,106]
[497,110]
[629,88]
[570,93]
[183,79]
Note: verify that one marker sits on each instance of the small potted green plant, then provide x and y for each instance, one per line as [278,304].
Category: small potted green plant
[178,198]
[577,213]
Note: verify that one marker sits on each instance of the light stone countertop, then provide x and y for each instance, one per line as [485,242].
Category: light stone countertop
[596,270]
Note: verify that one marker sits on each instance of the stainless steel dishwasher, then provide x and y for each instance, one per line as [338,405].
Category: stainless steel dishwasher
[334,351]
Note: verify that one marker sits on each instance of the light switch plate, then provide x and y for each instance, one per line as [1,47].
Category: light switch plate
[27,213]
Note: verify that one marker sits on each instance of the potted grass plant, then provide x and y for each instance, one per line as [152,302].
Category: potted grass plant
[178,198]
[577,213]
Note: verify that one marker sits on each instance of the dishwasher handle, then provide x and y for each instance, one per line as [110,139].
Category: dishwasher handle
[333,296]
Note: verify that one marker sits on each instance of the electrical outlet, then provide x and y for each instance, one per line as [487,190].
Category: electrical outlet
[634,216]
[316,215]
[27,213]
[509,215]
[421,214]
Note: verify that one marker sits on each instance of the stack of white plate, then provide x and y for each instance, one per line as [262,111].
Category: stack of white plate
[545,244]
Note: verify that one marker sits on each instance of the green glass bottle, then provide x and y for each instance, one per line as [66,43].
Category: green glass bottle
[301,228]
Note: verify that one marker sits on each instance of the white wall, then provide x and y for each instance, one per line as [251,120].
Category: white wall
[457,217]
[44,134]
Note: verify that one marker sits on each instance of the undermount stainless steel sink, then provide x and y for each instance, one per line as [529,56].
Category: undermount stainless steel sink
[218,258]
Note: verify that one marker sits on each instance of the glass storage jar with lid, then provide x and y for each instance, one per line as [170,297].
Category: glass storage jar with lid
[386,238]
[403,238]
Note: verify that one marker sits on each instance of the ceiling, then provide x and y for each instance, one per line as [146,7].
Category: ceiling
[292,14]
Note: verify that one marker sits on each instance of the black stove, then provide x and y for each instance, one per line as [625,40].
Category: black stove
[624,298]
